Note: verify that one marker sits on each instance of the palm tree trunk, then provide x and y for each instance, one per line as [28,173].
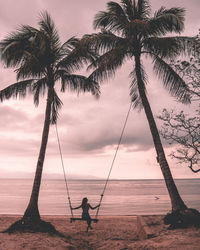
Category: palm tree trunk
[32,209]
[176,200]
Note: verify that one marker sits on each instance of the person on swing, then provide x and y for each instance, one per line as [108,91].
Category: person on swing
[85,211]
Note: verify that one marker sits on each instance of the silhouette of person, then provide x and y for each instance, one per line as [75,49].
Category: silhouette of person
[85,211]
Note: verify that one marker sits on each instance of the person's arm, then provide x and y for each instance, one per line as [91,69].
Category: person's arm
[76,207]
[94,207]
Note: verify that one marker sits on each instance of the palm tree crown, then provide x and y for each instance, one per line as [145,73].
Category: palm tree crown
[128,31]
[41,60]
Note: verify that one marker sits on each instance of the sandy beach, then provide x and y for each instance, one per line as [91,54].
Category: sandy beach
[111,232]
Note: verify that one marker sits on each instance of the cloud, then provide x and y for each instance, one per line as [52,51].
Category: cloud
[87,127]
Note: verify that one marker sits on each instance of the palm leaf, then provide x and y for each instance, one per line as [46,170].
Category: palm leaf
[79,83]
[167,20]
[130,9]
[168,47]
[39,88]
[68,46]
[79,56]
[134,92]
[48,28]
[18,89]
[15,47]
[106,64]
[56,106]
[113,20]
[104,41]
[172,81]
[144,9]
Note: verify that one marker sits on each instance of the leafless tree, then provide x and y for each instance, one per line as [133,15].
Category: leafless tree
[183,130]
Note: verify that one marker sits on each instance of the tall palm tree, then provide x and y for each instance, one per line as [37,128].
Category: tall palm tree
[41,61]
[128,32]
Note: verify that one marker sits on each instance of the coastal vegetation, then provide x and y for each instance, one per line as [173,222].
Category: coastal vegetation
[41,61]
[128,32]
[180,128]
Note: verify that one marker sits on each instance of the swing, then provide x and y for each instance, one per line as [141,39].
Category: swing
[72,219]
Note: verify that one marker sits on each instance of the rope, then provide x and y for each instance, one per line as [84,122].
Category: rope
[119,142]
[67,188]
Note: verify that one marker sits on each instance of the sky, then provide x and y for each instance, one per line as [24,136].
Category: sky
[89,129]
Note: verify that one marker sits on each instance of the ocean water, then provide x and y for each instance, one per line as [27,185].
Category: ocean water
[122,197]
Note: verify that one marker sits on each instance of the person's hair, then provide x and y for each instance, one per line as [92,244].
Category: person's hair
[84,202]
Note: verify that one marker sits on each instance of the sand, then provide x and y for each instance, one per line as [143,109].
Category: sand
[111,232]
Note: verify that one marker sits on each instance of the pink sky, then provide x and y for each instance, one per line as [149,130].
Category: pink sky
[89,129]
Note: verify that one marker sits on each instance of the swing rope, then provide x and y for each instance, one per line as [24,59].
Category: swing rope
[111,167]
[66,184]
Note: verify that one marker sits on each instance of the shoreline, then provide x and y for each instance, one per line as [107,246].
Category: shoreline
[111,232]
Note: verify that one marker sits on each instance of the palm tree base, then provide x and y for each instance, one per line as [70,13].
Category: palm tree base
[182,218]
[31,225]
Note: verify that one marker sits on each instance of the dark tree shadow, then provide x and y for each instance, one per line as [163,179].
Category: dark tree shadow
[34,226]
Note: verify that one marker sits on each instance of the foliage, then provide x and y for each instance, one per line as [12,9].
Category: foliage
[189,68]
[127,31]
[180,128]
[130,32]
[41,60]
[184,130]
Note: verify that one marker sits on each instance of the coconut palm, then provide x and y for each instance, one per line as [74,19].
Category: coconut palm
[41,61]
[128,32]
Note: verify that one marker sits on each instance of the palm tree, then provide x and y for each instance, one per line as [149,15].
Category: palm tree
[41,61]
[129,32]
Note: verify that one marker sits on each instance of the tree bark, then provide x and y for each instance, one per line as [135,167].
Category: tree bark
[176,200]
[32,210]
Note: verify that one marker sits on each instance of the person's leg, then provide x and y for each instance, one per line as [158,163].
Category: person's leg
[89,222]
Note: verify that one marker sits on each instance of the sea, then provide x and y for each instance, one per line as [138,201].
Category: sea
[121,197]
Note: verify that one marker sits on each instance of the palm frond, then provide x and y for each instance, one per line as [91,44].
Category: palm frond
[79,83]
[165,47]
[167,20]
[129,9]
[79,56]
[68,46]
[168,47]
[106,65]
[144,9]
[114,19]
[56,106]
[39,88]
[48,28]
[172,81]
[18,89]
[104,41]
[16,45]
[134,92]
[30,67]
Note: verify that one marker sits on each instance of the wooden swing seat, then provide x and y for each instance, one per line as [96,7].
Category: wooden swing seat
[72,219]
